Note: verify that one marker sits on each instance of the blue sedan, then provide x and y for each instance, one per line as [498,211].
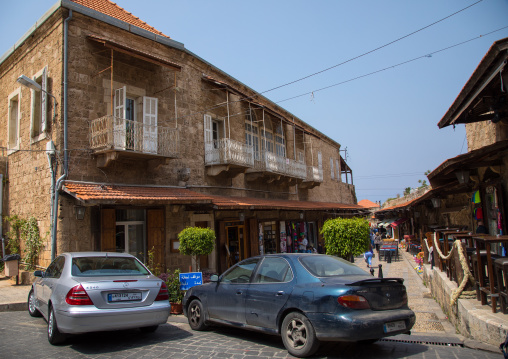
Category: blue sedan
[304,298]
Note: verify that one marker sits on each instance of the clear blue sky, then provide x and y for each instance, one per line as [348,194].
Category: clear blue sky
[388,120]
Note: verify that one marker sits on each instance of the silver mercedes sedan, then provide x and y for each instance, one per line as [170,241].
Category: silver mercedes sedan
[97,291]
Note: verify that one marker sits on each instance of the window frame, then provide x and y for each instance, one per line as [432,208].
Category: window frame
[16,94]
[39,133]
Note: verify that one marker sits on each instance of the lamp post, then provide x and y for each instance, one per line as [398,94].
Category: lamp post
[31,84]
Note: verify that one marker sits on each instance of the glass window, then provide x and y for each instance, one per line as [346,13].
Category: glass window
[280,146]
[267,141]
[274,270]
[328,266]
[106,266]
[14,120]
[55,268]
[241,273]
[252,138]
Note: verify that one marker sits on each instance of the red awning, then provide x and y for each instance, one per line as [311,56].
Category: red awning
[399,221]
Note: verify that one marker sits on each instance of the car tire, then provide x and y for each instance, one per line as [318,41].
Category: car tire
[54,335]
[32,309]
[149,329]
[196,315]
[298,335]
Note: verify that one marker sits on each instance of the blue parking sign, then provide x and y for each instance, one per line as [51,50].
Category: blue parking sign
[189,280]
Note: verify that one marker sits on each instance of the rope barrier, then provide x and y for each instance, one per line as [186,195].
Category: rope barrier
[459,292]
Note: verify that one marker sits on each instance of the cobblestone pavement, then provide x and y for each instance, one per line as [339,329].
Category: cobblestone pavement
[430,319]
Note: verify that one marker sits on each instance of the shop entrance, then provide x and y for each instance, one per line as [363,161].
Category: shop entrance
[235,243]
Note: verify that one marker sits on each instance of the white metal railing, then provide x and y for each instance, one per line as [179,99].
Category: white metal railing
[228,151]
[110,132]
[314,174]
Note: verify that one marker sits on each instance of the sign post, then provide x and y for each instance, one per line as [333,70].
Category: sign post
[189,280]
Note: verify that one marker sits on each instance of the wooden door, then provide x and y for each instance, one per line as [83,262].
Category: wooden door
[155,237]
[108,230]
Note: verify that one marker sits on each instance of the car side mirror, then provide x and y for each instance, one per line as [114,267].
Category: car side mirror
[39,273]
[214,278]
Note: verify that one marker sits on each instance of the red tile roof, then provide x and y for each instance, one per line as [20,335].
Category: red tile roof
[100,193]
[368,204]
[109,8]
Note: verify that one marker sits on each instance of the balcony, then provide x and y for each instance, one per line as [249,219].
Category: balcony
[113,137]
[228,155]
[314,177]
[276,167]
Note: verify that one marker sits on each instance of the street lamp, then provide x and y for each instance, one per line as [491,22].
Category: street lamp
[31,84]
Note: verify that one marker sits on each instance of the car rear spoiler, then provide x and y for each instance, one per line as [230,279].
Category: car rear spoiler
[376,280]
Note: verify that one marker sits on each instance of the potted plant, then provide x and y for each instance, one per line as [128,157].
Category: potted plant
[175,293]
[196,242]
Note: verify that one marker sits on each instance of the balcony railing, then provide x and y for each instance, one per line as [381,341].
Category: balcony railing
[270,162]
[314,174]
[114,133]
[228,152]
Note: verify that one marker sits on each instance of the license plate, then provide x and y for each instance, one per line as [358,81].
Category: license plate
[394,326]
[120,297]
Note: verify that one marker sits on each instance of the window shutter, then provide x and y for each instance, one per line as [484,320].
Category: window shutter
[120,99]
[331,168]
[320,161]
[44,98]
[208,135]
[337,168]
[150,124]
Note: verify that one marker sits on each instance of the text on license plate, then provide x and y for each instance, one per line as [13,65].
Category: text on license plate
[119,297]
[394,326]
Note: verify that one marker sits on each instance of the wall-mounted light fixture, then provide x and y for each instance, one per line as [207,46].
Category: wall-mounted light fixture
[241,215]
[301,215]
[462,176]
[79,212]
[31,84]
[436,202]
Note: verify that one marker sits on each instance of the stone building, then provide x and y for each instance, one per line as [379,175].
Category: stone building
[117,138]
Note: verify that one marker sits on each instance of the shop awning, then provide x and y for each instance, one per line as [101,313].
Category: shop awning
[399,221]
[99,193]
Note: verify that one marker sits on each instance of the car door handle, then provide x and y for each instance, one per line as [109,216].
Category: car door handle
[279,293]
[239,292]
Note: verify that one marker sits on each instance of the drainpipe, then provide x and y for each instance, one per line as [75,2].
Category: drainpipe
[66,161]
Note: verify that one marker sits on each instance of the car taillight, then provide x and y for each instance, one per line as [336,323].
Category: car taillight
[78,296]
[163,293]
[353,302]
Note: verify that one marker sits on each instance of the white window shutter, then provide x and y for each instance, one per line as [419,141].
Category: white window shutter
[119,124]
[320,160]
[44,98]
[208,136]
[337,168]
[120,99]
[331,168]
[150,124]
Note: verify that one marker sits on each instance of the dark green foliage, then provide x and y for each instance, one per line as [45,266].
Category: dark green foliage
[346,236]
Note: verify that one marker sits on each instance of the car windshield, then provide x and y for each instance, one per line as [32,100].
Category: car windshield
[328,266]
[107,266]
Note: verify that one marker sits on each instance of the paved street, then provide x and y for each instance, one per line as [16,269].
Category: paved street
[22,336]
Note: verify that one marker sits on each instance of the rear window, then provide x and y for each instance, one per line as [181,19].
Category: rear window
[107,266]
[328,266]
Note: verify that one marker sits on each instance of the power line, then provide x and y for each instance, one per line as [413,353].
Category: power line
[371,51]
[428,55]
[351,59]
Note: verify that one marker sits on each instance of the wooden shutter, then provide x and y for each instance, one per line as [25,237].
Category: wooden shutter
[155,236]
[119,127]
[208,137]
[108,230]
[150,124]
[253,236]
[44,98]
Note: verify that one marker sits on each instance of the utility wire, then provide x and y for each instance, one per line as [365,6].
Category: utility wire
[428,55]
[371,51]
[337,65]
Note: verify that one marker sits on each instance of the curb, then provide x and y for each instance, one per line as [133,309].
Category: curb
[13,307]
